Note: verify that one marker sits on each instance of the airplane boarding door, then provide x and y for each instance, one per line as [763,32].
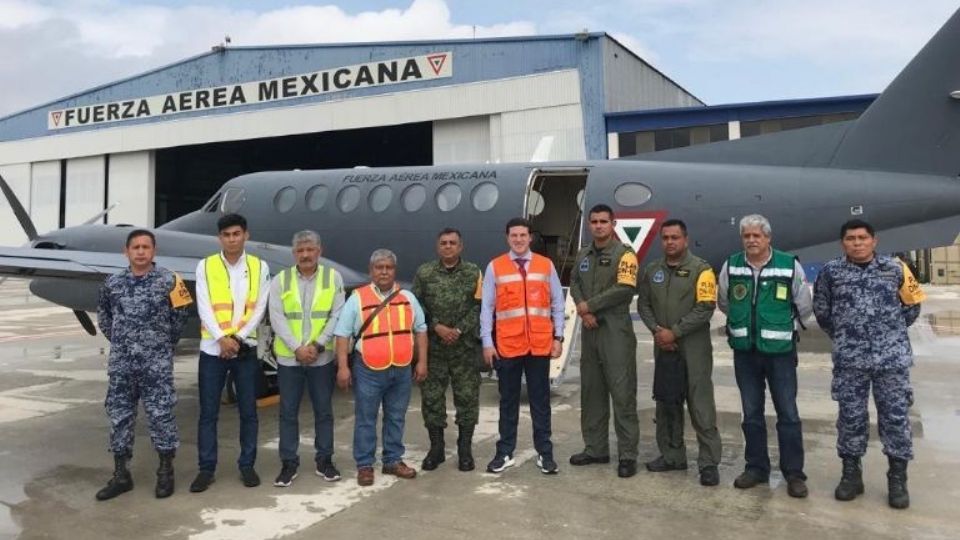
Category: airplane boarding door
[554,207]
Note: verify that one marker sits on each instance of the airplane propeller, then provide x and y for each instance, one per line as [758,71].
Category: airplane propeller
[31,231]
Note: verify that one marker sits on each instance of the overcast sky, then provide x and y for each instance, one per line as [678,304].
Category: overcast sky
[723,51]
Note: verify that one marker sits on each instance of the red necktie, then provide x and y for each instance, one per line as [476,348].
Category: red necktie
[522,267]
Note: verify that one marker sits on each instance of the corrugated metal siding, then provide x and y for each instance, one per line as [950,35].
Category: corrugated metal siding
[631,84]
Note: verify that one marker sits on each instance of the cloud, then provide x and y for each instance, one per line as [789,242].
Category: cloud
[66,48]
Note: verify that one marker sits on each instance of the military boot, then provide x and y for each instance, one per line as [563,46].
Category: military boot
[165,475]
[121,482]
[897,495]
[851,483]
[436,455]
[465,449]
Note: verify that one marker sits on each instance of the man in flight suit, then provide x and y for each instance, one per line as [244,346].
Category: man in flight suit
[677,297]
[141,312]
[603,285]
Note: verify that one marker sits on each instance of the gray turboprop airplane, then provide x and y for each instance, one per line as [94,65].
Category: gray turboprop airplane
[896,166]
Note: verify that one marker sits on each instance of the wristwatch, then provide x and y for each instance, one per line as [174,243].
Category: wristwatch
[320,348]
[558,338]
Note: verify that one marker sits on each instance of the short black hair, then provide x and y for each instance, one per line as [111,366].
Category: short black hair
[598,208]
[517,222]
[136,233]
[675,223]
[856,224]
[231,220]
[450,230]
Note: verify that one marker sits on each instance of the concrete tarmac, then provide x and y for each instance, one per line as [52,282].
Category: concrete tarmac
[53,458]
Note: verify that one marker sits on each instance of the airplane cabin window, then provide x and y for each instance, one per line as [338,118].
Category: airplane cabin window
[448,197]
[632,194]
[214,202]
[534,203]
[485,196]
[379,198]
[232,201]
[413,197]
[284,200]
[348,199]
[317,197]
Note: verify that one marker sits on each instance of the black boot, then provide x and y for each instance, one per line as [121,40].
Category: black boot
[465,449]
[897,495]
[165,475]
[436,455]
[851,483]
[121,482]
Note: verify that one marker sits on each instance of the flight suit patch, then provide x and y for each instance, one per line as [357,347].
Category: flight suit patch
[604,261]
[627,269]
[585,265]
[707,286]
[659,277]
[683,273]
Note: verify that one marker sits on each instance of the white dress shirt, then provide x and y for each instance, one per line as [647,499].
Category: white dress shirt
[239,284]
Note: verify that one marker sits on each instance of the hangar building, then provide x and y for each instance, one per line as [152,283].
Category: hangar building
[160,143]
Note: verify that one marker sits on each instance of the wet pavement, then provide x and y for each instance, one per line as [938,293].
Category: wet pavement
[53,458]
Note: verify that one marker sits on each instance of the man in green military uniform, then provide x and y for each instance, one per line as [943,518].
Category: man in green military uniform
[603,285]
[677,296]
[449,290]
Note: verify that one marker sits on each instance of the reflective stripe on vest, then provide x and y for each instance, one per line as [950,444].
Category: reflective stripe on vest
[760,314]
[221,297]
[388,339]
[522,312]
[323,294]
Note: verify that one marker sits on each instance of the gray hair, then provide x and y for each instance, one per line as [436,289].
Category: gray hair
[383,253]
[756,220]
[306,237]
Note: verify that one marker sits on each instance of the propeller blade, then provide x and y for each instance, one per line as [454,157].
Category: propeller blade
[85,322]
[97,217]
[22,216]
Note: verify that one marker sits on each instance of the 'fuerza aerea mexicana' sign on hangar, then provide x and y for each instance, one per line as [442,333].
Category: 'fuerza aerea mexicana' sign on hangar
[385,72]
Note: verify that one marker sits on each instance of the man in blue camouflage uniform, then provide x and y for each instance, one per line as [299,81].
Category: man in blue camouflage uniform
[865,302]
[141,312]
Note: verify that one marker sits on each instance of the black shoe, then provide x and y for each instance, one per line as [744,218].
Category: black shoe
[709,476]
[583,458]
[202,481]
[327,470]
[287,474]
[547,464]
[662,465]
[164,487]
[897,494]
[250,477]
[851,483]
[437,453]
[465,449]
[499,463]
[627,468]
[797,487]
[121,481]
[750,478]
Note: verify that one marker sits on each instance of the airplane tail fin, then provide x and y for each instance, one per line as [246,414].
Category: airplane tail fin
[914,126]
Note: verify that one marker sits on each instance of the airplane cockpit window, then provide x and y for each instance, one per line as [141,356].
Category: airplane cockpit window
[284,200]
[232,201]
[379,198]
[448,197]
[213,203]
[317,197]
[632,194]
[413,197]
[485,196]
[348,199]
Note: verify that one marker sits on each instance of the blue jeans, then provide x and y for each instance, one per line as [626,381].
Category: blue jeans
[754,371]
[319,382]
[510,372]
[213,375]
[391,387]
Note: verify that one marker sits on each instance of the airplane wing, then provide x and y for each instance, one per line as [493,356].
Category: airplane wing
[32,263]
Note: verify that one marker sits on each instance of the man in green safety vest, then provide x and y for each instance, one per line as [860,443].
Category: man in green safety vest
[305,303]
[765,295]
